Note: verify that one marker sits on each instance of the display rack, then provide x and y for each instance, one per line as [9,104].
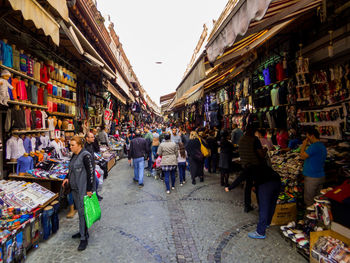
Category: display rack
[62,114]
[27,104]
[16,72]
[30,131]
[61,98]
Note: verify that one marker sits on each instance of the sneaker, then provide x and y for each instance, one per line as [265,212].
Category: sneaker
[193,182]
[83,244]
[135,180]
[311,216]
[256,235]
[172,188]
[202,179]
[77,235]
[100,198]
[181,184]
[322,199]
[141,185]
[311,208]
[168,192]
[184,182]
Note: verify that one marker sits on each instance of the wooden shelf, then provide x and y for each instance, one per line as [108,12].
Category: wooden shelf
[304,99]
[61,98]
[22,74]
[62,84]
[30,131]
[62,114]
[27,104]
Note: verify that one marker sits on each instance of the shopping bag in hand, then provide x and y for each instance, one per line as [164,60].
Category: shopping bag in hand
[92,210]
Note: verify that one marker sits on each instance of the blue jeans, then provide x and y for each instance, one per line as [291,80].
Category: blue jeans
[182,172]
[46,221]
[268,195]
[55,219]
[206,163]
[150,162]
[139,165]
[70,199]
[166,179]
[154,151]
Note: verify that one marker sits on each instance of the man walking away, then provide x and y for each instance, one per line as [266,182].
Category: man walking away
[149,139]
[138,150]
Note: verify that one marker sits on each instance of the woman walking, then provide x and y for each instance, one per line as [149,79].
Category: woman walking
[196,157]
[181,163]
[226,151]
[80,178]
[169,152]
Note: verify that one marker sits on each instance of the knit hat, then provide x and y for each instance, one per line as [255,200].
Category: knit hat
[5,72]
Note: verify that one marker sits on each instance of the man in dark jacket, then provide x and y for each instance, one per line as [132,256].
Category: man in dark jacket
[139,148]
[89,146]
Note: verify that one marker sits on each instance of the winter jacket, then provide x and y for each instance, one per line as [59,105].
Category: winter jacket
[169,152]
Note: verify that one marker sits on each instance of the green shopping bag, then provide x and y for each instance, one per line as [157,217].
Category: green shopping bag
[92,209]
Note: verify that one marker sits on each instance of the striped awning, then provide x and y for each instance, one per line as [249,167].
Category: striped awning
[250,17]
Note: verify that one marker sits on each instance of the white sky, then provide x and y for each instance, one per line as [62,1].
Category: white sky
[160,30]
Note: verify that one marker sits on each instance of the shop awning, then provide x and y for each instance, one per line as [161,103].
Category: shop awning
[85,49]
[251,16]
[32,10]
[116,93]
[61,7]
[249,43]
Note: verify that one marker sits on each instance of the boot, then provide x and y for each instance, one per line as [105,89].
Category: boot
[71,212]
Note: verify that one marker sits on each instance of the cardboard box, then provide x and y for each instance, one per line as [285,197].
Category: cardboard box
[284,213]
[110,164]
[314,236]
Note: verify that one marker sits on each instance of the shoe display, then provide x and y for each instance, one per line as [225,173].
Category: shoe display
[311,216]
[311,208]
[256,235]
[322,199]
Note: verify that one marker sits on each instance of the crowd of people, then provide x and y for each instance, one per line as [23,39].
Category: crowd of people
[169,151]
[174,149]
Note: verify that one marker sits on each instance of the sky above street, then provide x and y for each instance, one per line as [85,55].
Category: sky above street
[160,30]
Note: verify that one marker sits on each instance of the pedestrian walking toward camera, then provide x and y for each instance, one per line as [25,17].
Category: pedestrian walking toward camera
[169,152]
[139,148]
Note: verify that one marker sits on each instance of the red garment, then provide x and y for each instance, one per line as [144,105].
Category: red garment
[280,75]
[340,193]
[49,88]
[50,106]
[282,139]
[28,116]
[15,88]
[22,95]
[41,96]
[38,119]
[44,74]
[54,107]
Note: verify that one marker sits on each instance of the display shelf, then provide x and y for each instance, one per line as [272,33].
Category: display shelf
[29,176]
[62,114]
[61,98]
[69,130]
[277,82]
[30,131]
[302,86]
[304,99]
[322,123]
[27,104]
[334,104]
[16,72]
[62,84]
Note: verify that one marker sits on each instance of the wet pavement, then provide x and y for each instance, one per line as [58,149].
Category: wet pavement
[195,223]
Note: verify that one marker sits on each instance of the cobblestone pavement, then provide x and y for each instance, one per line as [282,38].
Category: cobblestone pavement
[195,223]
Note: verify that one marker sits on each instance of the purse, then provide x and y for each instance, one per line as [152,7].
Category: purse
[205,151]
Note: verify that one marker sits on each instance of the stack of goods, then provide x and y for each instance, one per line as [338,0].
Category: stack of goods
[320,211]
[23,195]
[299,233]
[329,249]
[289,166]
[51,169]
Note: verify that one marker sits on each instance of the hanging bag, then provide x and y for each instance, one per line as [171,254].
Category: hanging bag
[92,209]
[205,151]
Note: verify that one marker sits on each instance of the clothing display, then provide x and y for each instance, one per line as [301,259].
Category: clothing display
[14,148]
[24,164]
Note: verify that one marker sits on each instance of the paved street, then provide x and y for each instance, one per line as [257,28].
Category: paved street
[198,223]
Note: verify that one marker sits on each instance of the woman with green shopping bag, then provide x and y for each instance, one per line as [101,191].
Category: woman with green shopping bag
[80,178]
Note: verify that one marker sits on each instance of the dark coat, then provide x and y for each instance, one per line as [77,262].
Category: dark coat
[226,152]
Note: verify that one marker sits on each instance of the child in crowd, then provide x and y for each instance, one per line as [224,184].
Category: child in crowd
[181,162]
